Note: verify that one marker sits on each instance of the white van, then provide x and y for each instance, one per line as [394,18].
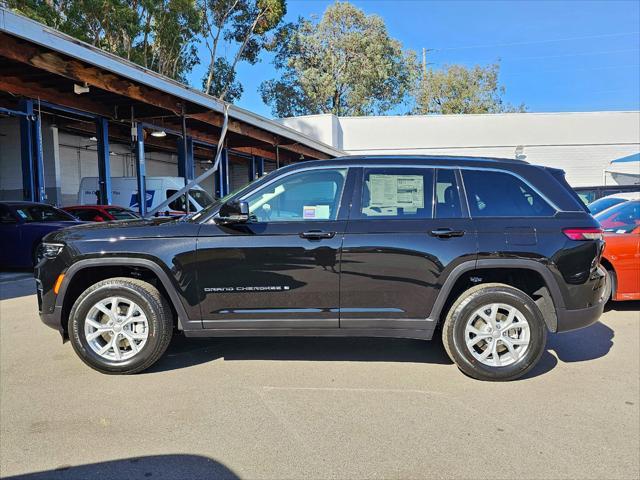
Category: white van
[124,192]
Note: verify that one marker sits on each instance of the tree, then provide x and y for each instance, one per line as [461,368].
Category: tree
[245,23]
[345,64]
[459,89]
[157,34]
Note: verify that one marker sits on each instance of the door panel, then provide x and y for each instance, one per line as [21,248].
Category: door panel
[393,267]
[280,270]
[253,274]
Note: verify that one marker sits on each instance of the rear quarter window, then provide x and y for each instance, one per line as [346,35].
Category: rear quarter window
[500,194]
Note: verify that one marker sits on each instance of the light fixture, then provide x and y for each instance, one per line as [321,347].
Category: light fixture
[159,133]
[80,89]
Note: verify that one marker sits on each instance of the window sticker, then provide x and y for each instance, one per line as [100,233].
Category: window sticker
[319,212]
[308,211]
[398,191]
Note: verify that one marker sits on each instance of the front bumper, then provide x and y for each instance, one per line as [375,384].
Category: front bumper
[53,319]
[583,317]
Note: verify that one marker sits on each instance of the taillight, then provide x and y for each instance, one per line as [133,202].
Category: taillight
[583,233]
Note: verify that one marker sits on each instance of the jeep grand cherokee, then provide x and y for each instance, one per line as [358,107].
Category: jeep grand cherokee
[491,254]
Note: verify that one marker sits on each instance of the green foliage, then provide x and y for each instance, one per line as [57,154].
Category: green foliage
[157,34]
[458,89]
[346,64]
[243,23]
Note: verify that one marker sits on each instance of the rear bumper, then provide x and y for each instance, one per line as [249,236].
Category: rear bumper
[583,317]
[573,319]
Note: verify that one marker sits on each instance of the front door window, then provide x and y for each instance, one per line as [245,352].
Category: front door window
[305,196]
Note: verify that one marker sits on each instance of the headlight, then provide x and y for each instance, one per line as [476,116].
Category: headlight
[49,250]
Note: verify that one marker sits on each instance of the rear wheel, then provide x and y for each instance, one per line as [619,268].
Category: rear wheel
[611,285]
[494,332]
[120,325]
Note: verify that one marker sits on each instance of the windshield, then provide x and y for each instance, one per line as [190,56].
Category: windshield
[622,218]
[121,214]
[218,201]
[602,204]
[202,197]
[42,213]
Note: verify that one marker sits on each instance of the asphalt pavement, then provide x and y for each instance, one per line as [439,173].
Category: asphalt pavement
[316,408]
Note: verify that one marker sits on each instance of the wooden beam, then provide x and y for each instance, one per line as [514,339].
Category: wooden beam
[38,57]
[12,48]
[258,134]
[16,86]
[217,119]
[260,152]
[308,152]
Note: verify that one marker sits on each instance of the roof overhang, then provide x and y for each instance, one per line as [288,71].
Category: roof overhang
[33,32]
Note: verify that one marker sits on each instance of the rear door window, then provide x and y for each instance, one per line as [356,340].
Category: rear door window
[447,197]
[500,194]
[396,193]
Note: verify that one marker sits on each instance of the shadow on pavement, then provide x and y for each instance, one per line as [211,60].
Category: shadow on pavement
[632,306]
[594,341]
[165,467]
[184,352]
[581,345]
[17,283]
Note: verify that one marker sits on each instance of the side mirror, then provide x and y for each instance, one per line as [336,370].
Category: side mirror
[233,212]
[98,218]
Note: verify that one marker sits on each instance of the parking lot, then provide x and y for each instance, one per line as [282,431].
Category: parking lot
[316,408]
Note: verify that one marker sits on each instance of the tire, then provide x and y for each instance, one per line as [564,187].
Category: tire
[149,326]
[611,285]
[466,318]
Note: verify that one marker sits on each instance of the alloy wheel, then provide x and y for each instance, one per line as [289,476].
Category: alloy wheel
[116,328]
[497,334]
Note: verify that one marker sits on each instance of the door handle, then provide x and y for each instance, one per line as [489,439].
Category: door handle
[446,233]
[317,235]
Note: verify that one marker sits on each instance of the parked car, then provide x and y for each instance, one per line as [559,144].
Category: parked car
[124,193]
[22,226]
[591,194]
[621,258]
[101,213]
[611,200]
[496,252]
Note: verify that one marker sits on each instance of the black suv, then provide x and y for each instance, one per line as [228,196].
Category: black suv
[495,252]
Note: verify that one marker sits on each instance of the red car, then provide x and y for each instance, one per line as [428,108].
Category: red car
[101,213]
[621,225]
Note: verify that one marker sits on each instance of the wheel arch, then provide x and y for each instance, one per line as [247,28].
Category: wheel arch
[532,277]
[86,272]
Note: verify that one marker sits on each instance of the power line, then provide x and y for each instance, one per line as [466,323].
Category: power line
[536,42]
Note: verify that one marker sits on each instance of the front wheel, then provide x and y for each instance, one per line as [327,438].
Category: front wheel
[494,332]
[120,325]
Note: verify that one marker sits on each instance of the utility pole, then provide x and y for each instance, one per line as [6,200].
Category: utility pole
[424,62]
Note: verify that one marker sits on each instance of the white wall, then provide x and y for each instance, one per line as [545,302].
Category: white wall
[581,143]
[10,160]
[67,159]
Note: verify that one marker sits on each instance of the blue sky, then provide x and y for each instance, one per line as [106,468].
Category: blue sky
[555,55]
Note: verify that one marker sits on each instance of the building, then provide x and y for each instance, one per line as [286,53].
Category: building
[583,143]
[69,110]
